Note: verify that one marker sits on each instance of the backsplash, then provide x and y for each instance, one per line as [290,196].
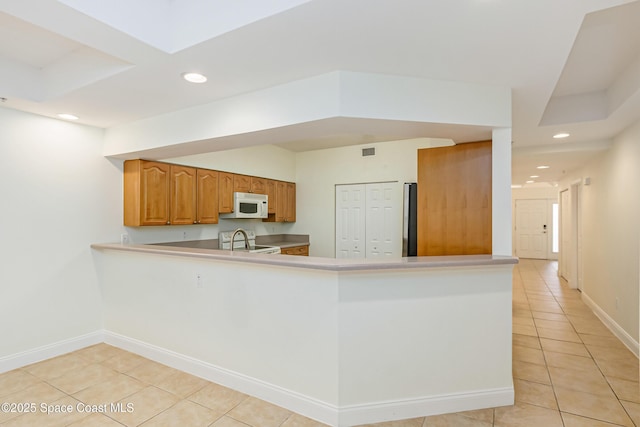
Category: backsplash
[174,233]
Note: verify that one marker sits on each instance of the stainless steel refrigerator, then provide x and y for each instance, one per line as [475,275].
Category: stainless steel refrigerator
[410,220]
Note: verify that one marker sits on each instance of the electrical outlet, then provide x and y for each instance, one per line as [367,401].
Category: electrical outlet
[124,238]
[184,235]
[198,281]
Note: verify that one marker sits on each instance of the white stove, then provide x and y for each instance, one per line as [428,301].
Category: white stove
[224,243]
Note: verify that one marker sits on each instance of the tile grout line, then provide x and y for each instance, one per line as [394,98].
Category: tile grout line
[544,355]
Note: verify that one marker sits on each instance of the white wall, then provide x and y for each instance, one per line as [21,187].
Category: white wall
[59,195]
[272,324]
[611,229]
[319,171]
[267,161]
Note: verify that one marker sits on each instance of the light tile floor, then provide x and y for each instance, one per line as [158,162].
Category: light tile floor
[568,370]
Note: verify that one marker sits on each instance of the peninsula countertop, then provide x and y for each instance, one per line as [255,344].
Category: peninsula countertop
[315,263]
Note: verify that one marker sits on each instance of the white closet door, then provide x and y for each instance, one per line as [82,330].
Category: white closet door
[384,220]
[350,221]
[369,220]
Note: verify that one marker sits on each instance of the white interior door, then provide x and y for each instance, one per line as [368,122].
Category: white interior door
[369,220]
[384,220]
[350,221]
[532,236]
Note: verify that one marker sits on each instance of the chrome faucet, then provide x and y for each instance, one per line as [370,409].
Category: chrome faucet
[246,238]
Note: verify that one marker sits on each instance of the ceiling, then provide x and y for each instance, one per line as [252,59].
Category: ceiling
[573,66]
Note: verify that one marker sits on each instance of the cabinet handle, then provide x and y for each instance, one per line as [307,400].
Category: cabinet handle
[168,222]
[195,222]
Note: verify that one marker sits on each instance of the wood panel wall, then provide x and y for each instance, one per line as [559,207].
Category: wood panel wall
[454,199]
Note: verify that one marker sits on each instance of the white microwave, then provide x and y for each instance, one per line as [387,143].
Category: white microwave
[249,205]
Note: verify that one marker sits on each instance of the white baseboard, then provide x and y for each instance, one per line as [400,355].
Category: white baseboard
[616,329]
[432,405]
[312,408]
[321,411]
[59,348]
[291,400]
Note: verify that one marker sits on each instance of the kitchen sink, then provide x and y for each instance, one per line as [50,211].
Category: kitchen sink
[264,249]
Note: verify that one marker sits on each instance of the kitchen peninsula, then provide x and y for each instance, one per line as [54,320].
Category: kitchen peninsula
[345,342]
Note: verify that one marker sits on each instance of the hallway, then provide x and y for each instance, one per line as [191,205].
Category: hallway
[564,358]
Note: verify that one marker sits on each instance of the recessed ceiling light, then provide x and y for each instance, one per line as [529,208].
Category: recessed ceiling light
[561,135]
[534,176]
[67,116]
[194,77]
[543,167]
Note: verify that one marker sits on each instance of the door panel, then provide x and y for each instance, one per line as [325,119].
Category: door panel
[183,195]
[155,186]
[207,197]
[531,229]
[383,217]
[350,220]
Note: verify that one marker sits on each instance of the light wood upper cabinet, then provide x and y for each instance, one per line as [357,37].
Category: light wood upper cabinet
[281,201]
[146,193]
[207,212]
[290,209]
[271,194]
[454,200]
[225,192]
[183,195]
[258,185]
[241,183]
[285,205]
[158,193]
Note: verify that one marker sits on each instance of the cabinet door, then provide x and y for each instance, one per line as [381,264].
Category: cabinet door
[207,212]
[258,185]
[183,195]
[281,201]
[271,194]
[225,192]
[242,183]
[290,210]
[146,193]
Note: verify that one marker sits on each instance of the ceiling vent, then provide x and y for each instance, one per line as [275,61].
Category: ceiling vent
[368,152]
